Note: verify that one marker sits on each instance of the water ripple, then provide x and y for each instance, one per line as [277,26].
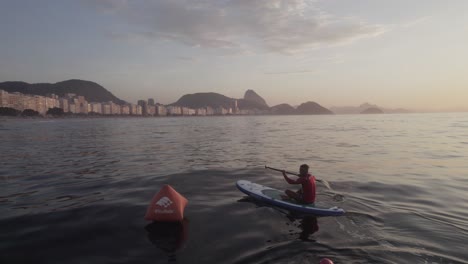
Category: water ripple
[85,183]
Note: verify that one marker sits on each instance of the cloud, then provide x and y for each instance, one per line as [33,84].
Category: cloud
[106,5]
[416,22]
[292,72]
[186,58]
[282,26]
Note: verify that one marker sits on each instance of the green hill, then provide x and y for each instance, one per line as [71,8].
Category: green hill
[92,91]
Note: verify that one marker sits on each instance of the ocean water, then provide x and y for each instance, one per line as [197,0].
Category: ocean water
[76,190]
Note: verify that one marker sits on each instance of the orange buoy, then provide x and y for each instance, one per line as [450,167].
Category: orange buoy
[167,205]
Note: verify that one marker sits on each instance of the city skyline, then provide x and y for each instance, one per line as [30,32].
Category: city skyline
[78,104]
[392,54]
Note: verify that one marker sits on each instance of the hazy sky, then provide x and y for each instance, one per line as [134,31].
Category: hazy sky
[394,53]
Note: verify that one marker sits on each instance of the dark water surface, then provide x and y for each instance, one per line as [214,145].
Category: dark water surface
[76,190]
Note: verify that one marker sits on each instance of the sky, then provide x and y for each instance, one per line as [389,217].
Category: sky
[396,54]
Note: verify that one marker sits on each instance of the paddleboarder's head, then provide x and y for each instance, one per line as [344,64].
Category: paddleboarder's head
[304,170]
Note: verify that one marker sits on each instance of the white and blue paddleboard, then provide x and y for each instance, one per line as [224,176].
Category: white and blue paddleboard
[273,197]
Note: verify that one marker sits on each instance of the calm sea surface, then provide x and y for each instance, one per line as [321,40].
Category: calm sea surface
[76,190]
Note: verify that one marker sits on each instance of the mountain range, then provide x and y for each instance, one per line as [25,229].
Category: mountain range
[364,107]
[251,100]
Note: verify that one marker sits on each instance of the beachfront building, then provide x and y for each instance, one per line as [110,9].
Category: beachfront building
[188,111]
[77,104]
[51,101]
[29,102]
[144,106]
[115,108]
[22,102]
[151,110]
[71,103]
[200,112]
[3,98]
[133,109]
[236,108]
[125,110]
[40,103]
[174,110]
[139,110]
[72,108]
[95,108]
[63,103]
[220,111]
[161,110]
[209,111]
[107,108]
[15,101]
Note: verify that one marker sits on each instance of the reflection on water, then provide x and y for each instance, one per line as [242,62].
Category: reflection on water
[75,191]
[309,225]
[168,236]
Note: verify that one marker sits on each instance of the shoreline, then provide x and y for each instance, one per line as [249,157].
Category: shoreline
[84,116]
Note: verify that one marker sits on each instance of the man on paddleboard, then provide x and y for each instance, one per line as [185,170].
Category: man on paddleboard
[306,194]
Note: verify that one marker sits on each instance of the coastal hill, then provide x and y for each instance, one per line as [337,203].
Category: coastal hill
[283,109]
[92,91]
[308,108]
[251,100]
[198,100]
[312,108]
[372,110]
[363,107]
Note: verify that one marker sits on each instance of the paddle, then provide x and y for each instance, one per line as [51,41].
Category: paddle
[288,172]
[296,174]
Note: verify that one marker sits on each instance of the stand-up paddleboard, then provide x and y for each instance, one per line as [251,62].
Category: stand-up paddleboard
[273,197]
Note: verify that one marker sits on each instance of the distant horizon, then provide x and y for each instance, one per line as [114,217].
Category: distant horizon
[396,54]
